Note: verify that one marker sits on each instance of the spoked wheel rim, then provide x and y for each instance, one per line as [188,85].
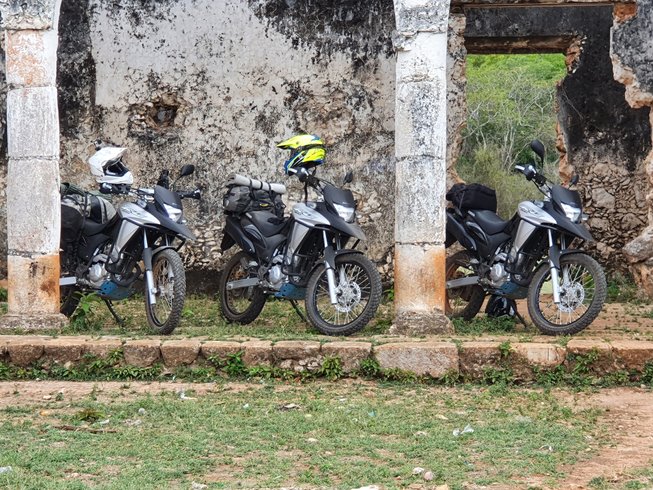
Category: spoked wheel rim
[239,300]
[353,291]
[458,299]
[164,282]
[577,292]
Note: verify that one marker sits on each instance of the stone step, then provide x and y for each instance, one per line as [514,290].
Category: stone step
[467,360]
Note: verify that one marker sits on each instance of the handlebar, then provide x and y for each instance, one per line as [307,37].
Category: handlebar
[531,173]
[196,194]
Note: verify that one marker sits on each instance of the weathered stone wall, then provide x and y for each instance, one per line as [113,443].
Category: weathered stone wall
[218,83]
[605,140]
[633,66]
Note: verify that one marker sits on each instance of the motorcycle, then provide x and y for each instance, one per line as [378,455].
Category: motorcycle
[102,248]
[529,256]
[304,256]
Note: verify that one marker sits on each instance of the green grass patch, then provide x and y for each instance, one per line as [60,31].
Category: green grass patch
[277,435]
[201,317]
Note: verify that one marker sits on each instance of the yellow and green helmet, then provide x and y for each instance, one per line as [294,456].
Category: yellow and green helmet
[306,150]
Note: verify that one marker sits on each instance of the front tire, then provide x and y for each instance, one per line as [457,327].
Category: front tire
[583,290]
[170,292]
[359,294]
[466,301]
[241,305]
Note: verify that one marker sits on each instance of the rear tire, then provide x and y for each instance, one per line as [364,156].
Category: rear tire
[69,299]
[466,301]
[241,305]
[581,299]
[170,285]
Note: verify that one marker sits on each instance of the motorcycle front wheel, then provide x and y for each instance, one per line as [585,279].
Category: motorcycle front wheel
[465,301]
[583,290]
[358,290]
[169,291]
[242,305]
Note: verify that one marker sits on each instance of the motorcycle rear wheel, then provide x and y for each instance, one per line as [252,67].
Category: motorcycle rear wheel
[581,299]
[170,292]
[358,296]
[465,301]
[241,305]
[69,299]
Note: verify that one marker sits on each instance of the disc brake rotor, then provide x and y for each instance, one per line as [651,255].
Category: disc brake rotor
[571,297]
[349,295]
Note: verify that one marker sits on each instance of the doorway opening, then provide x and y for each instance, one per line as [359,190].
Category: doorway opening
[511,100]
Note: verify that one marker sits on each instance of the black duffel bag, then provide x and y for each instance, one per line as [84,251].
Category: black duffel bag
[472,196]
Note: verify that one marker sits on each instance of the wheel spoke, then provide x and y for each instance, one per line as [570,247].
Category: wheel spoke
[353,295]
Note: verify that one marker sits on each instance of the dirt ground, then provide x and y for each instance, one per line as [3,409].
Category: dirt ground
[627,414]
[617,321]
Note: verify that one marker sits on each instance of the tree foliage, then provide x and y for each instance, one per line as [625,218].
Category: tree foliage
[511,101]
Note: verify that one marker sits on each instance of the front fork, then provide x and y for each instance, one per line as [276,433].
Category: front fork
[330,265]
[150,289]
[554,265]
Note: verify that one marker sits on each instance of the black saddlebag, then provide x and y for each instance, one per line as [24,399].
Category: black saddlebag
[472,196]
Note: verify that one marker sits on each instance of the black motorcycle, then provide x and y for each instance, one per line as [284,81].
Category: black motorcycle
[310,255]
[530,256]
[102,248]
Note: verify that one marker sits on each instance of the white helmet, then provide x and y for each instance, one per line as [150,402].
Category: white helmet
[107,167]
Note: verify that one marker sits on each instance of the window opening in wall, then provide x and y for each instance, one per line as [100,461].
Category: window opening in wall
[510,101]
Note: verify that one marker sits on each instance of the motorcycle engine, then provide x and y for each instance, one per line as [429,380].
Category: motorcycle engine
[97,273]
[276,277]
[498,274]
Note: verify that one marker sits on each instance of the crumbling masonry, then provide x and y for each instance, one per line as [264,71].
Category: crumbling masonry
[188,82]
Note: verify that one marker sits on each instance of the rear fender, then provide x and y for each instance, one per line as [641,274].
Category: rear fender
[456,232]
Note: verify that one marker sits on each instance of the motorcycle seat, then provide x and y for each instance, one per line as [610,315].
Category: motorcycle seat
[489,221]
[267,222]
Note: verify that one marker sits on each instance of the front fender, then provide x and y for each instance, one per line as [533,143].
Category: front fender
[330,257]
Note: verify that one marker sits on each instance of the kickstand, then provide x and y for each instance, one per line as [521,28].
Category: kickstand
[520,318]
[298,311]
[119,320]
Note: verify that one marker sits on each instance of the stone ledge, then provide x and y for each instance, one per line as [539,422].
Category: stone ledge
[472,360]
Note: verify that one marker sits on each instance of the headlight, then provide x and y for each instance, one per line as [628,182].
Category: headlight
[573,213]
[173,213]
[348,214]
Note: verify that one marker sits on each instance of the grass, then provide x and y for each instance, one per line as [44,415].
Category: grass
[622,289]
[201,317]
[274,435]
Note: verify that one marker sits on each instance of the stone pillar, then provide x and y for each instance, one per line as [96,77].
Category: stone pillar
[420,150]
[631,62]
[33,209]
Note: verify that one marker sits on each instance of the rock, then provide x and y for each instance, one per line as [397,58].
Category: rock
[423,358]
[180,352]
[142,353]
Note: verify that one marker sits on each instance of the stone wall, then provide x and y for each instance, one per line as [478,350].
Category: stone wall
[603,139]
[633,61]
[218,83]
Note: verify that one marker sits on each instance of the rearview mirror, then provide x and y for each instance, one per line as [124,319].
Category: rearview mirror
[538,148]
[186,170]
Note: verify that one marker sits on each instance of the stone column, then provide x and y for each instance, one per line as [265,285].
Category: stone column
[33,209]
[420,150]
